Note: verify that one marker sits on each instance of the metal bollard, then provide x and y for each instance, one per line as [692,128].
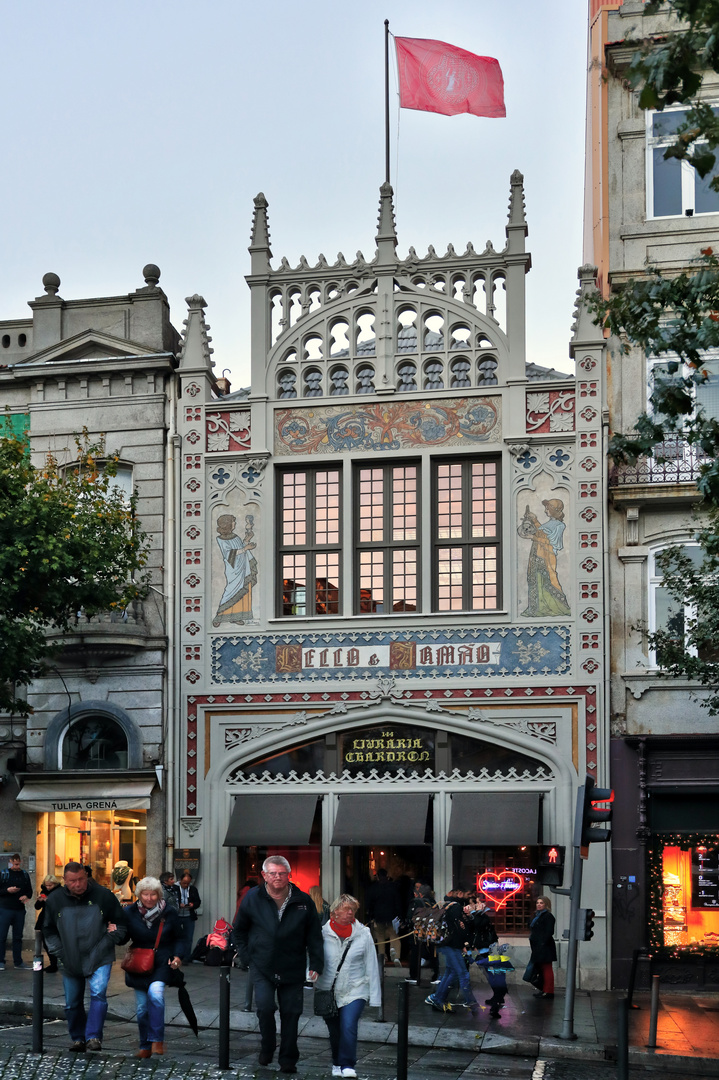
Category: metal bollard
[623,1038]
[224,1019]
[402,1030]
[653,1012]
[37,995]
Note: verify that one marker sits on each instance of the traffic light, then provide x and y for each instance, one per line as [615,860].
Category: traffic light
[551,864]
[591,813]
[585,924]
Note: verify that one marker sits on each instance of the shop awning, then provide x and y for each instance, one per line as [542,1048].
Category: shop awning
[271,819]
[483,819]
[73,796]
[381,819]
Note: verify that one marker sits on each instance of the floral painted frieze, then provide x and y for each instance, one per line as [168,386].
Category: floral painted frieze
[483,653]
[228,431]
[550,411]
[382,426]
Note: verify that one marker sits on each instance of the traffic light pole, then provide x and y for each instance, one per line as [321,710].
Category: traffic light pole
[575,893]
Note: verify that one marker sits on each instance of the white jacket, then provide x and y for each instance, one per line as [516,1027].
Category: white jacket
[359,975]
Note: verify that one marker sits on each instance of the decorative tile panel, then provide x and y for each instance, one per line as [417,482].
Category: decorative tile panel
[550,411]
[228,431]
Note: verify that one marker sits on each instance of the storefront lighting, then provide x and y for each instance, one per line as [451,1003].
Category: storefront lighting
[501,887]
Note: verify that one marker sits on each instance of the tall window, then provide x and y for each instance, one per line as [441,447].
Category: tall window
[665,612]
[466,545]
[674,187]
[309,530]
[387,524]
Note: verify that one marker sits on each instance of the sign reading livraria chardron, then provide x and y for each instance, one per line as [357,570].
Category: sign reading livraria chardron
[387,747]
[485,652]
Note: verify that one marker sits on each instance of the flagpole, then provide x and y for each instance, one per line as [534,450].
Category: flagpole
[386,100]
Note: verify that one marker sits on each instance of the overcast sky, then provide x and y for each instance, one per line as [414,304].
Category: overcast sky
[139,131]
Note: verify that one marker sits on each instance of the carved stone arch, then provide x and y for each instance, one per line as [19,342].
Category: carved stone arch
[359,716]
[82,709]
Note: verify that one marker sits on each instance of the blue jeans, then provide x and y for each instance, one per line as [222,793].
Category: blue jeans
[455,969]
[290,1000]
[151,1014]
[343,1033]
[16,919]
[188,933]
[82,1025]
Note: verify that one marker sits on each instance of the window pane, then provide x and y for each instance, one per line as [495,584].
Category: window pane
[404,580]
[326,586]
[706,201]
[666,124]
[484,578]
[294,508]
[404,503]
[371,506]
[94,742]
[667,184]
[708,392]
[669,615]
[371,581]
[294,585]
[449,502]
[484,499]
[327,499]
[449,579]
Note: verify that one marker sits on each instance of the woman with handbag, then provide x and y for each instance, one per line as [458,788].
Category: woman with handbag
[543,949]
[350,979]
[157,948]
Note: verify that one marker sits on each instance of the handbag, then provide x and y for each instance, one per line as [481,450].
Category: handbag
[324,1001]
[142,961]
[533,975]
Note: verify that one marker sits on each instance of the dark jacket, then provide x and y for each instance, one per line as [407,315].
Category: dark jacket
[172,943]
[193,897]
[458,926]
[40,906]
[481,930]
[18,879]
[541,938]
[383,901]
[279,948]
[76,931]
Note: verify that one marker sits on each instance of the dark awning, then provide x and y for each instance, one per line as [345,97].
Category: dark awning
[381,819]
[492,819]
[271,819]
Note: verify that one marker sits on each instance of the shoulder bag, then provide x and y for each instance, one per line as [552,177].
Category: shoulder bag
[325,1003]
[142,961]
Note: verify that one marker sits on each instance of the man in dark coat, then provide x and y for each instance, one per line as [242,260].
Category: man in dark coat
[276,929]
[384,905]
[15,893]
[83,924]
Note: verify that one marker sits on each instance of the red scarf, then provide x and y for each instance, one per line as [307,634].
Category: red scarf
[341,931]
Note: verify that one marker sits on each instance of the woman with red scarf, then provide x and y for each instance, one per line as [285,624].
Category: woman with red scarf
[348,943]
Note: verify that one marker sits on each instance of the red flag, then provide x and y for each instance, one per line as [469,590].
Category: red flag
[437,77]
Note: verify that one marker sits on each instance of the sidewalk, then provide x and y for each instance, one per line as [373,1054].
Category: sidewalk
[688,1028]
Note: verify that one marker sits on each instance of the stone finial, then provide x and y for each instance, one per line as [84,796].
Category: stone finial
[196,301]
[260,234]
[51,283]
[151,274]
[386,232]
[516,199]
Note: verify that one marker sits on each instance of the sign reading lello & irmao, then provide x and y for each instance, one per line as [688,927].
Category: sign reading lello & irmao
[503,653]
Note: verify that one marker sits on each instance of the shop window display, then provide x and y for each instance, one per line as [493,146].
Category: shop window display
[513,914]
[684,879]
[102,840]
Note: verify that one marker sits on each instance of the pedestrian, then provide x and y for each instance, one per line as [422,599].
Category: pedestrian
[276,930]
[189,901]
[383,906]
[152,923]
[170,890]
[48,884]
[457,933]
[83,923]
[482,937]
[15,893]
[323,908]
[421,953]
[352,973]
[543,949]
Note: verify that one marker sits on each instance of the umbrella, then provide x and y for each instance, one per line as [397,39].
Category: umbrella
[183,998]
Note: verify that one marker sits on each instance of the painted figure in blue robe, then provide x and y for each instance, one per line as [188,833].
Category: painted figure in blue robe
[545,593]
[240,570]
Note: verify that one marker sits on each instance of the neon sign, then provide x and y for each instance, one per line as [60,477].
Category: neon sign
[499,888]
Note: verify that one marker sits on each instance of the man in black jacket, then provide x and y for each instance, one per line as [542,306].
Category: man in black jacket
[83,924]
[15,893]
[276,928]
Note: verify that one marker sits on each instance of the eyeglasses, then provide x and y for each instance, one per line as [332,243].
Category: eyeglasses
[276,873]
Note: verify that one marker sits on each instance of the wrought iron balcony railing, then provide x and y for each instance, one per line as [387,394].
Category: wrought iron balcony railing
[679,464]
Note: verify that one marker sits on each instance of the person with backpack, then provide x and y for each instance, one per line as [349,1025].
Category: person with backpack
[453,933]
[421,951]
[493,964]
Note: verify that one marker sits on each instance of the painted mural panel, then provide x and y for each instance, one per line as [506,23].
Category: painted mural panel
[380,426]
[234,568]
[483,653]
[542,570]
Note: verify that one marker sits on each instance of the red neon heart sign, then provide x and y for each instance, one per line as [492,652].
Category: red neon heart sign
[499,887]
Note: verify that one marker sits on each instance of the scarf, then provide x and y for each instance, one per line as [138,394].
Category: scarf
[341,931]
[149,915]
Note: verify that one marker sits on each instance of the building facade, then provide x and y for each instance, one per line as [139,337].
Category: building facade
[644,210]
[391,616]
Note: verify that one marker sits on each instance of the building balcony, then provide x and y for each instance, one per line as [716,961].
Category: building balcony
[679,464]
[109,633]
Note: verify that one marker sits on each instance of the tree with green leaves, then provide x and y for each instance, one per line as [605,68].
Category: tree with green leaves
[70,542]
[677,316]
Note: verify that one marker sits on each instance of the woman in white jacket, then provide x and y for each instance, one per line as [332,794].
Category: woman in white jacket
[356,983]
